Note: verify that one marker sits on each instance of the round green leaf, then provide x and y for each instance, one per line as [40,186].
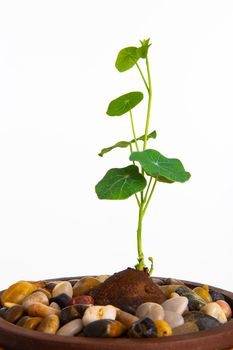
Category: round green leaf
[160,167]
[124,103]
[126,58]
[120,183]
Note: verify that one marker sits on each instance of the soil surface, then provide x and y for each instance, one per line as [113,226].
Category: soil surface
[129,287]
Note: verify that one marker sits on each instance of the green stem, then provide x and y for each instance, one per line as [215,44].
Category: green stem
[136,196]
[147,190]
[143,78]
[141,264]
[133,129]
[149,104]
[151,193]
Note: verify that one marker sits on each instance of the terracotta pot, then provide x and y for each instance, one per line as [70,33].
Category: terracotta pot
[13,337]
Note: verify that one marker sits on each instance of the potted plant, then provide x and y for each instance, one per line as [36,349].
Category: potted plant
[80,313]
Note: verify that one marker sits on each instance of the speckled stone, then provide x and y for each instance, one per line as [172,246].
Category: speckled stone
[143,328]
[195,301]
[104,328]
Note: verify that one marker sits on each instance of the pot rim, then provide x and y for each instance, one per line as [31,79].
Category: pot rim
[14,334]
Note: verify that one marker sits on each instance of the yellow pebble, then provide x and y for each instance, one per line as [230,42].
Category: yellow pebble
[163,328]
[205,287]
[17,292]
[203,293]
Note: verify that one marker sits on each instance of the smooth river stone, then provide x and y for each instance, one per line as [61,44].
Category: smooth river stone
[41,310]
[216,295]
[36,297]
[94,313]
[176,304]
[173,319]
[126,318]
[226,308]
[186,328]
[81,299]
[49,324]
[17,292]
[152,310]
[54,305]
[195,301]
[203,321]
[14,313]
[85,285]
[213,309]
[63,287]
[144,328]
[104,328]
[203,293]
[168,289]
[71,328]
[163,328]
[61,299]
[72,312]
[32,322]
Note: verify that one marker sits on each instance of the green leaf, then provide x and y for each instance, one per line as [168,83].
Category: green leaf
[120,144]
[126,58]
[120,183]
[124,103]
[124,144]
[160,167]
[142,51]
[152,135]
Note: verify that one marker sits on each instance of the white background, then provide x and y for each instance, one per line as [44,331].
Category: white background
[57,77]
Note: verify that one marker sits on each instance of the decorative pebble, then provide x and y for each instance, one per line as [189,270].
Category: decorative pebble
[186,328]
[32,322]
[126,318]
[173,295]
[14,313]
[102,278]
[36,297]
[105,328]
[163,328]
[54,305]
[49,324]
[203,321]
[168,289]
[216,295]
[173,318]
[64,287]
[69,313]
[152,310]
[213,309]
[195,301]
[84,285]
[3,311]
[173,281]
[94,313]
[41,310]
[130,309]
[176,304]
[81,299]
[62,300]
[45,291]
[17,292]
[225,307]
[22,321]
[71,328]
[143,328]
[203,293]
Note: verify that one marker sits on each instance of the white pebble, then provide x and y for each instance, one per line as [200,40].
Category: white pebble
[94,313]
[173,319]
[176,304]
[152,310]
